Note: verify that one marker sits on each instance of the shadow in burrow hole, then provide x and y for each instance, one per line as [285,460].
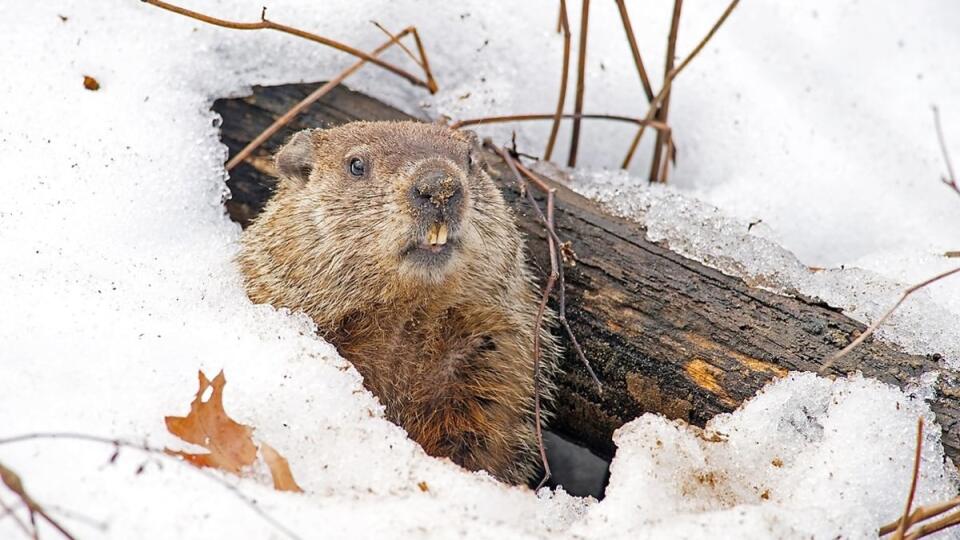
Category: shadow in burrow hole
[574,466]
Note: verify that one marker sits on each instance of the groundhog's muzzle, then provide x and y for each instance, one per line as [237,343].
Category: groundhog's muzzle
[436,201]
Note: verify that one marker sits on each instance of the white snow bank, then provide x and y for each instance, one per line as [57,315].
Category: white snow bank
[767,470]
[117,284]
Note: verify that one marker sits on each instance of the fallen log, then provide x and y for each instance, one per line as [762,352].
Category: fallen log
[664,333]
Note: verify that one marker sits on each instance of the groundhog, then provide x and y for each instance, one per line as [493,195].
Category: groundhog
[394,239]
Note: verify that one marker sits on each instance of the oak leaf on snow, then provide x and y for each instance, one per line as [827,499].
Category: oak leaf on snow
[229,443]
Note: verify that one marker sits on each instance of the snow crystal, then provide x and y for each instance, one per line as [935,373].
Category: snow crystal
[118,283]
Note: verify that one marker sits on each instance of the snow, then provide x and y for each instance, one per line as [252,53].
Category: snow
[925,324]
[117,281]
[788,447]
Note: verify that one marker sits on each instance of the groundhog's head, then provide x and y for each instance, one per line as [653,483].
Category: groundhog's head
[403,200]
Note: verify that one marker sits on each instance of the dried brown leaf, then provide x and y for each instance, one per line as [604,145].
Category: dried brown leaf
[279,469]
[230,443]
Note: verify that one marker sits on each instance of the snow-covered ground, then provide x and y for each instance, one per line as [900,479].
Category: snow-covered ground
[117,282]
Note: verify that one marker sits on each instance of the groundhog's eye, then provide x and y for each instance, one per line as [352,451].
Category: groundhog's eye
[357,167]
[471,160]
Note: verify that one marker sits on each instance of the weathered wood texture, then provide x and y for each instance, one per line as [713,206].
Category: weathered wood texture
[664,333]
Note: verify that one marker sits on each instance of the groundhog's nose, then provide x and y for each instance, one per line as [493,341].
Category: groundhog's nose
[436,192]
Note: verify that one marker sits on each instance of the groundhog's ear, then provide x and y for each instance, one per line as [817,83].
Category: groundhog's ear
[471,138]
[295,160]
[476,149]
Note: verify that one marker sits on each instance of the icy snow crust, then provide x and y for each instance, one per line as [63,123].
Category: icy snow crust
[925,324]
[117,279]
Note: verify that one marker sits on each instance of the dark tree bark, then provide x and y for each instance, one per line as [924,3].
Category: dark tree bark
[664,333]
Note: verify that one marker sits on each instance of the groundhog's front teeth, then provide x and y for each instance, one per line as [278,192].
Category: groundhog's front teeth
[437,235]
[442,234]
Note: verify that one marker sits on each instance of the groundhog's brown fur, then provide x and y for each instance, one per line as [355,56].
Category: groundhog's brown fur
[442,334]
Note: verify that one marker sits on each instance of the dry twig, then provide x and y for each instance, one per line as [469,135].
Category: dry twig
[873,327]
[317,94]
[395,38]
[664,109]
[581,75]
[950,179]
[14,484]
[902,529]
[548,288]
[526,117]
[119,443]
[265,24]
[522,175]
[7,511]
[634,50]
[902,526]
[671,156]
[668,80]
[561,297]
[563,24]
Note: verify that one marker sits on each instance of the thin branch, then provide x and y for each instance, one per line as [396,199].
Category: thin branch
[664,109]
[7,511]
[527,117]
[252,503]
[555,262]
[665,168]
[431,83]
[581,76]
[561,15]
[873,327]
[15,484]
[537,365]
[634,50]
[668,81]
[33,525]
[563,24]
[548,287]
[265,24]
[561,297]
[396,39]
[522,175]
[924,513]
[950,179]
[80,518]
[902,528]
[315,96]
[935,526]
